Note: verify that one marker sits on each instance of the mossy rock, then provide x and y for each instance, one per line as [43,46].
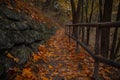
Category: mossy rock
[22,25]
[15,37]
[51,31]
[12,15]
[5,24]
[4,41]
[31,36]
[34,46]
[23,53]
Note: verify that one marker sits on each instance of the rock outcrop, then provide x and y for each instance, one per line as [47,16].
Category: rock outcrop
[20,35]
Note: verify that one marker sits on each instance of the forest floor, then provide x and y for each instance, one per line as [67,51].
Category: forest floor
[57,60]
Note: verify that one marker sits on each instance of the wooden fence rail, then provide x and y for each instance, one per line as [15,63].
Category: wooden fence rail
[94,54]
[103,24]
[95,57]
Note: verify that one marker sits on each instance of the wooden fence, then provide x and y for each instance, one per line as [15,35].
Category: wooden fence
[94,53]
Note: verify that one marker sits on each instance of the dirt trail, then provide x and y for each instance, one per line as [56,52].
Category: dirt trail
[65,64]
[57,60]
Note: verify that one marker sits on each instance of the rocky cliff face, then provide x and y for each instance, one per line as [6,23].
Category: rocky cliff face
[20,35]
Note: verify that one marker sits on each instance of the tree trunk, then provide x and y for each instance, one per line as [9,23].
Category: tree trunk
[75,16]
[82,19]
[88,29]
[114,42]
[91,13]
[90,18]
[76,19]
[86,10]
[105,32]
[97,44]
[100,11]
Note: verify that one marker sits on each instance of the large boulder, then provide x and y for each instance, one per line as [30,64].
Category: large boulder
[23,53]
[31,36]
[34,46]
[15,37]
[10,14]
[4,41]
[22,25]
[6,24]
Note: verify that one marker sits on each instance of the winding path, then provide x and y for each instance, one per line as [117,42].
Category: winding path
[65,64]
[57,60]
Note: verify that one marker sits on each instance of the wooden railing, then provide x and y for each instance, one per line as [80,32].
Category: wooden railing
[94,53]
[103,24]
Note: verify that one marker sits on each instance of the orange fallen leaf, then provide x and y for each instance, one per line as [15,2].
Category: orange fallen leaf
[50,67]
[12,57]
[108,71]
[44,78]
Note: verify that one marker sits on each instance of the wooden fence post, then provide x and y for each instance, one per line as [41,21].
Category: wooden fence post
[97,52]
[77,44]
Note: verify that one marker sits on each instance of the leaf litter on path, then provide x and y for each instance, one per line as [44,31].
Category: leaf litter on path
[60,62]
